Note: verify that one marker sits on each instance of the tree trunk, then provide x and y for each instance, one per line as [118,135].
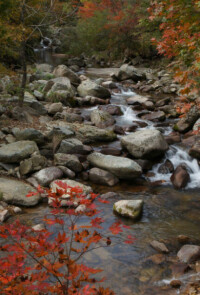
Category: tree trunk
[23,57]
[24,74]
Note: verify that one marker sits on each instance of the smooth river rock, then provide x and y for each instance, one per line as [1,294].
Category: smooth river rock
[101,119]
[15,191]
[145,144]
[129,208]
[121,167]
[180,177]
[103,177]
[17,151]
[47,175]
[189,253]
[91,88]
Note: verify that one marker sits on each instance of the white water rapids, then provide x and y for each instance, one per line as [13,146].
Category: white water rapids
[175,154]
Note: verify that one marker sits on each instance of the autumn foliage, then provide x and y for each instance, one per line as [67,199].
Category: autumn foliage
[48,261]
[180,40]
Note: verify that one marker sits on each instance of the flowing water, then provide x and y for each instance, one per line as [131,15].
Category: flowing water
[167,214]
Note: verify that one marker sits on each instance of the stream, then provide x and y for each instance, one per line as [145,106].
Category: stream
[167,213]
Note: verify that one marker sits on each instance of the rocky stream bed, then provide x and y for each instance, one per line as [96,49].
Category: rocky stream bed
[117,132]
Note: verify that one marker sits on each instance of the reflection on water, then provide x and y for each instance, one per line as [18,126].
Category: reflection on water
[167,214]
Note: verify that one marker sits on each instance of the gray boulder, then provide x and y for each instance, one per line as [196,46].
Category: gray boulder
[35,163]
[121,167]
[91,88]
[70,161]
[101,119]
[130,72]
[64,71]
[111,109]
[186,123]
[129,208]
[15,191]
[73,146]
[145,144]
[55,108]
[91,134]
[60,90]
[28,134]
[47,175]
[103,177]
[155,116]
[17,151]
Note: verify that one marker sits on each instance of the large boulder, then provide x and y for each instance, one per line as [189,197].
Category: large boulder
[28,134]
[91,134]
[47,175]
[155,116]
[103,177]
[180,177]
[55,108]
[60,89]
[70,161]
[186,123]
[139,100]
[35,163]
[64,71]
[17,151]
[86,133]
[101,119]
[15,191]
[145,144]
[73,146]
[129,208]
[130,72]
[91,88]
[112,109]
[121,167]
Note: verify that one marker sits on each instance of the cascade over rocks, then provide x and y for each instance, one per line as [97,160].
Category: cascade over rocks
[91,88]
[145,144]
[123,168]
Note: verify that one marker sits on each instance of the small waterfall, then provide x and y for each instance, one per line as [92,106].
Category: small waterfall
[128,115]
[46,43]
[178,156]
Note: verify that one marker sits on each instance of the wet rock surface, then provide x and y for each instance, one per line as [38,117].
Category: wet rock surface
[145,144]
